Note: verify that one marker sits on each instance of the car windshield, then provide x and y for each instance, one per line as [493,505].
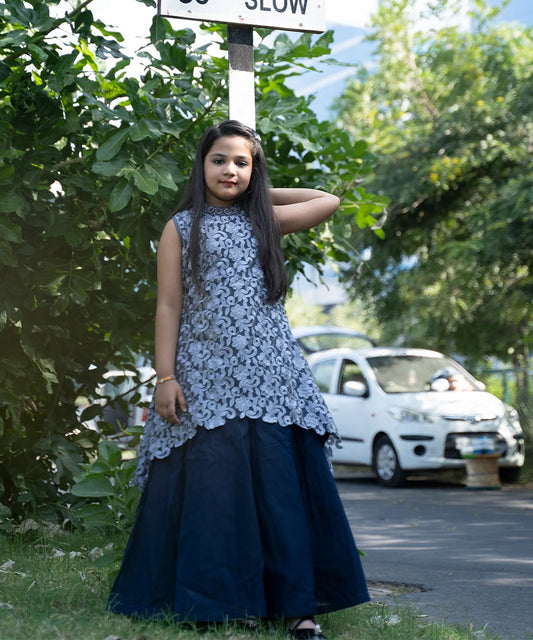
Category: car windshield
[414,373]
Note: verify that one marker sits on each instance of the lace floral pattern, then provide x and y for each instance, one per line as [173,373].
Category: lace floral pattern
[236,354]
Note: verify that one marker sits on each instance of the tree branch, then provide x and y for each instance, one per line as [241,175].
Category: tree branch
[78,9]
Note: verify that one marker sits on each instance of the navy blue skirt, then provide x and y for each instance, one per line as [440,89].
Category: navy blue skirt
[242,521]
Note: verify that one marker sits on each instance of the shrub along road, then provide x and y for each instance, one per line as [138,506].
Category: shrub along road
[466,556]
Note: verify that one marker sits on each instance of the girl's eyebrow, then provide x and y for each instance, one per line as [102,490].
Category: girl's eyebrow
[224,155]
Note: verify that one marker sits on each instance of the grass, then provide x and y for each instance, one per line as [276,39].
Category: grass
[52,590]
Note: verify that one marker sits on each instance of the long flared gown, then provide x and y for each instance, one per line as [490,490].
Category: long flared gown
[240,516]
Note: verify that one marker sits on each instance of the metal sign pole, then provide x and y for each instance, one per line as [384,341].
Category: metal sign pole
[241,16]
[241,74]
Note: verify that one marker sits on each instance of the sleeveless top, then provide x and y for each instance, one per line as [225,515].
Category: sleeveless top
[236,355]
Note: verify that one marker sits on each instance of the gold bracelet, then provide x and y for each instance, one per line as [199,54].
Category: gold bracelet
[165,379]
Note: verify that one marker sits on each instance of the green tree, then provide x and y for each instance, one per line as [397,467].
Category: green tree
[449,114]
[302,313]
[92,161]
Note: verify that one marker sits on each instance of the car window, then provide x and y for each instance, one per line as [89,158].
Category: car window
[409,373]
[322,372]
[350,372]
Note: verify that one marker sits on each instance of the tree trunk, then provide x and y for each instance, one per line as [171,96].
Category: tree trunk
[524,401]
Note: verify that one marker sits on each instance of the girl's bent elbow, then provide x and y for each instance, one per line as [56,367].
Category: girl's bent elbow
[333,203]
[336,202]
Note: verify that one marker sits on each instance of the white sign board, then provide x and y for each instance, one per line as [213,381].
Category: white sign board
[291,15]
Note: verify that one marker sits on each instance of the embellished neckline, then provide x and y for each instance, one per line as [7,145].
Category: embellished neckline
[226,210]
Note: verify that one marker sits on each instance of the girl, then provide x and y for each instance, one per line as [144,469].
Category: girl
[240,516]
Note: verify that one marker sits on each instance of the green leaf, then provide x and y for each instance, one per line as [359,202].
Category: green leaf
[38,52]
[112,146]
[91,412]
[161,173]
[109,169]
[110,452]
[159,29]
[145,182]
[10,231]
[143,129]
[359,148]
[93,486]
[4,70]
[109,558]
[96,515]
[120,196]
[7,172]
[15,37]
[63,67]
[10,203]
[7,257]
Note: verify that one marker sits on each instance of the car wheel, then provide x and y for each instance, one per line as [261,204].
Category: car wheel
[510,474]
[386,464]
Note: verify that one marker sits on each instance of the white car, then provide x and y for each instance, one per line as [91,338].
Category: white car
[401,410]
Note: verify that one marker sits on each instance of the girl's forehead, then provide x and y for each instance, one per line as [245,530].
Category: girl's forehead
[232,145]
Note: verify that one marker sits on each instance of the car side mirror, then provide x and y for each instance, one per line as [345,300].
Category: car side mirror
[354,388]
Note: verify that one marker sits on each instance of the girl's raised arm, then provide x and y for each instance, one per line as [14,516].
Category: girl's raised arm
[300,209]
[169,395]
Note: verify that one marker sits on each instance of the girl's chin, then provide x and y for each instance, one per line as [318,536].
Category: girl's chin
[221,200]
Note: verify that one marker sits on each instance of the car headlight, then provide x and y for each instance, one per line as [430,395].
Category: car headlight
[512,419]
[410,415]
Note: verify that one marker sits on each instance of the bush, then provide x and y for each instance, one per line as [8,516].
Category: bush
[91,165]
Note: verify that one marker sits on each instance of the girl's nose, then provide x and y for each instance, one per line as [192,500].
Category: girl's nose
[229,168]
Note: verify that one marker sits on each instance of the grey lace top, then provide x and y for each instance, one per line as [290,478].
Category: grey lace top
[236,355]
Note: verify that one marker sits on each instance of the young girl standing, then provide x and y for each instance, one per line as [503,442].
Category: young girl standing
[240,517]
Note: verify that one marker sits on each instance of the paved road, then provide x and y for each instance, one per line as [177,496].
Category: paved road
[467,554]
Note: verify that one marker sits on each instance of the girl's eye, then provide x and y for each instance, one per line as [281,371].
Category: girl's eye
[242,163]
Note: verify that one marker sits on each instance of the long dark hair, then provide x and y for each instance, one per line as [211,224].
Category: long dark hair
[256,201]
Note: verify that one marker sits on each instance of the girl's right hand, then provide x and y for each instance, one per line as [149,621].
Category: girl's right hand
[168,399]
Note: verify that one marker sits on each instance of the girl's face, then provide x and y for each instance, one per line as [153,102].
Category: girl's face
[227,170]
